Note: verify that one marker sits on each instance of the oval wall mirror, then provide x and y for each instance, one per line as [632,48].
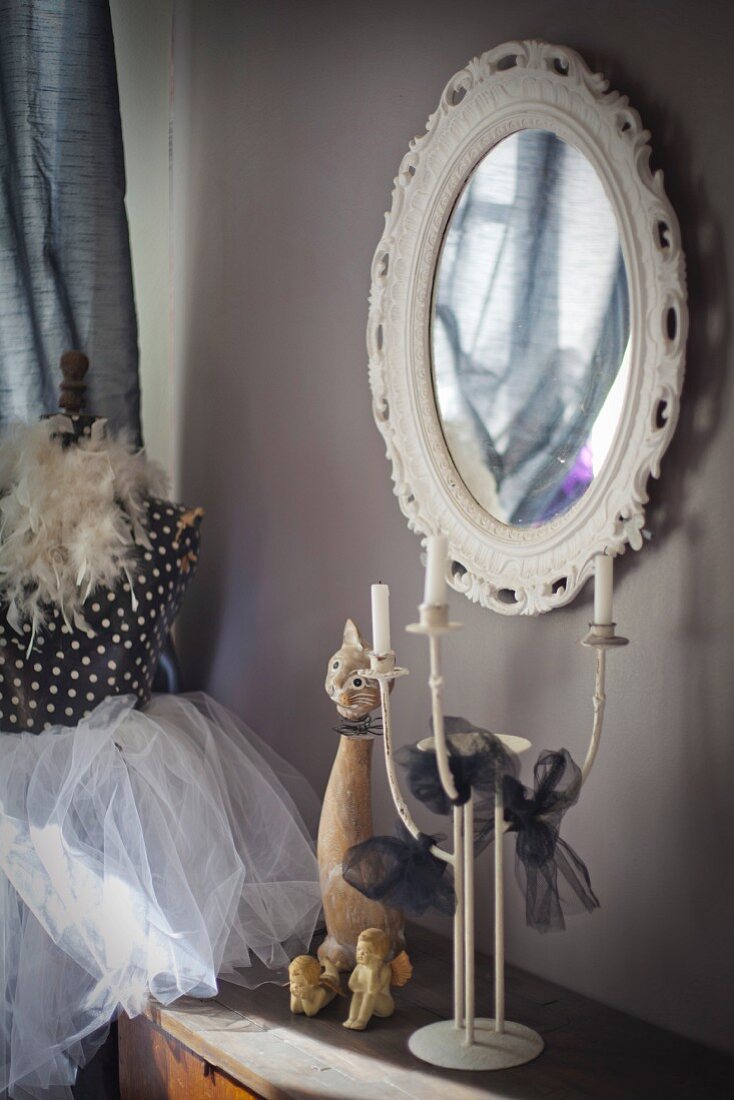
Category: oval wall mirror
[530,329]
[527,326]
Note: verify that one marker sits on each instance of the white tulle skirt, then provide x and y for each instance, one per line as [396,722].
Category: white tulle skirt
[141,852]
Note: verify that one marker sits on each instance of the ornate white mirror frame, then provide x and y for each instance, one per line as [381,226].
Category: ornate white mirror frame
[519,86]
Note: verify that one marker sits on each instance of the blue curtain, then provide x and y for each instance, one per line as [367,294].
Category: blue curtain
[65,271]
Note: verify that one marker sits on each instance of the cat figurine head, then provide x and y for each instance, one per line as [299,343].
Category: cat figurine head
[355,696]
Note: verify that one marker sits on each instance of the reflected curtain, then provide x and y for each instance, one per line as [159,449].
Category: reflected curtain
[528,331]
[65,270]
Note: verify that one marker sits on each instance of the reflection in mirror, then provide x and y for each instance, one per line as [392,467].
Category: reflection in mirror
[530,329]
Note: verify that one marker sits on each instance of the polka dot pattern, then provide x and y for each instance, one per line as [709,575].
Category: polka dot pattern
[68,673]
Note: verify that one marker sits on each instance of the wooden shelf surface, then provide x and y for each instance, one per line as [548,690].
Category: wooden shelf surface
[591,1051]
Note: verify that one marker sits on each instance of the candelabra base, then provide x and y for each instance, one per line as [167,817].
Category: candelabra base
[442,1044]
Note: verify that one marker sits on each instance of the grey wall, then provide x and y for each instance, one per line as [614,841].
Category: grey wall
[290,119]
[142,50]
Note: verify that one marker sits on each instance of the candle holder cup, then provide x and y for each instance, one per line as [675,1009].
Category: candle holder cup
[384,664]
[604,635]
[434,620]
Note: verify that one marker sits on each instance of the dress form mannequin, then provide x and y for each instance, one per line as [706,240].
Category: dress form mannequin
[69,669]
[149,844]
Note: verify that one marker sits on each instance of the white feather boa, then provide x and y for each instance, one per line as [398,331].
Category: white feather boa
[70,518]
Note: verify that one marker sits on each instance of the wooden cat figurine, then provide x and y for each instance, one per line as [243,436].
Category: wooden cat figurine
[346,815]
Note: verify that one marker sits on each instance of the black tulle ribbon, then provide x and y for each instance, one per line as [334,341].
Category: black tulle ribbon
[476,758]
[553,877]
[401,872]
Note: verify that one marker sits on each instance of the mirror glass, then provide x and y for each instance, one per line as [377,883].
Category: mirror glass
[530,329]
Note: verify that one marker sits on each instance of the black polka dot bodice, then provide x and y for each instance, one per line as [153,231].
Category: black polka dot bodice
[67,672]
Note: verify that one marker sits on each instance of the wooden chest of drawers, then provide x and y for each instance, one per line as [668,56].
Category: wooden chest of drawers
[156,1066]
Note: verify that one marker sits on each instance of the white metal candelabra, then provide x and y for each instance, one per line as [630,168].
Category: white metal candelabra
[468,1042]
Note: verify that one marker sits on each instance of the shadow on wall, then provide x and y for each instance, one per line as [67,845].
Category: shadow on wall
[214,461]
[698,789]
[707,355]
[708,346]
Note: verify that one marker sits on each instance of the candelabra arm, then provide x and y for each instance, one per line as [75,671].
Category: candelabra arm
[439,731]
[601,637]
[599,702]
[384,676]
[434,622]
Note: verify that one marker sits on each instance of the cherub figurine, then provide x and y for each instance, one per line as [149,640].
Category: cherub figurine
[311,987]
[372,977]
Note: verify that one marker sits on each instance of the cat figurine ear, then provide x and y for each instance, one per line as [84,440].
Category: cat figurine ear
[352,636]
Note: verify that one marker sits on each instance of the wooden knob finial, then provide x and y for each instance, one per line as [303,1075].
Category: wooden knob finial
[74,365]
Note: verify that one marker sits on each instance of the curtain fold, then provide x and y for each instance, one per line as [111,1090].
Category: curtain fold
[65,268]
[530,327]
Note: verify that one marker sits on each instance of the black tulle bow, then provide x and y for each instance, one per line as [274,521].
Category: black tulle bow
[543,858]
[476,758]
[401,872]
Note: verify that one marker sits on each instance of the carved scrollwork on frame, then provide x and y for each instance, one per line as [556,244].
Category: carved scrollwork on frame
[521,86]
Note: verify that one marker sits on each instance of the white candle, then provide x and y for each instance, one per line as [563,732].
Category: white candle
[380,619]
[438,550]
[604,567]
